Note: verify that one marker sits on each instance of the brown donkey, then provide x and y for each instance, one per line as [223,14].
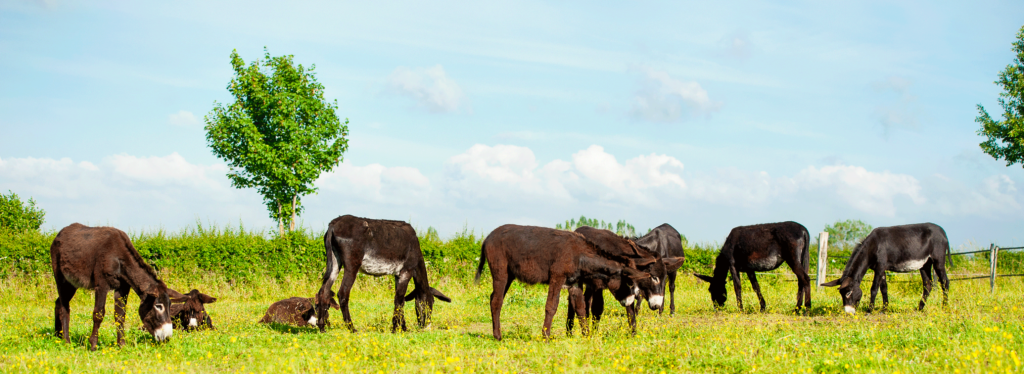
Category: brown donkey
[548,256]
[103,259]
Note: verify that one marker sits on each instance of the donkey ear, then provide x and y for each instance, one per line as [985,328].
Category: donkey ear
[673,263]
[440,295]
[174,295]
[206,299]
[645,261]
[704,277]
[334,304]
[411,295]
[179,299]
[634,274]
[832,283]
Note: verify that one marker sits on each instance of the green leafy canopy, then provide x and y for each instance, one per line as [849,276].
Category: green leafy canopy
[1006,137]
[279,134]
[19,216]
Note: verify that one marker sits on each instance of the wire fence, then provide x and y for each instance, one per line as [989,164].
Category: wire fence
[993,252]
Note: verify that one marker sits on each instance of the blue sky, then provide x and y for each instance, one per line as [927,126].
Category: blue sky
[476,114]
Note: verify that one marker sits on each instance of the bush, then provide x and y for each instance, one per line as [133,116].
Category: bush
[18,216]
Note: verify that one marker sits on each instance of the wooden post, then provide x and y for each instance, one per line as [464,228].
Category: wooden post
[994,256]
[822,257]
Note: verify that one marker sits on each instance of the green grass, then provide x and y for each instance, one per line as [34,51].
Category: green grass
[978,332]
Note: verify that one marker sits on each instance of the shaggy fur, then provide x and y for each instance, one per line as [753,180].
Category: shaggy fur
[899,249]
[188,307]
[295,311]
[763,247]
[547,256]
[103,259]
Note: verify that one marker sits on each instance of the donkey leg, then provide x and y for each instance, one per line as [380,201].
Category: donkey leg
[579,307]
[570,318]
[62,307]
[736,286]
[597,306]
[500,283]
[926,283]
[940,272]
[551,306]
[343,294]
[885,292]
[631,317]
[401,285]
[672,293]
[875,284]
[757,289]
[99,310]
[120,299]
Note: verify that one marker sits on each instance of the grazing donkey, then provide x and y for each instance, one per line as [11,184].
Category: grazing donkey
[103,259]
[762,247]
[188,310]
[297,311]
[542,255]
[897,248]
[665,241]
[653,288]
[375,247]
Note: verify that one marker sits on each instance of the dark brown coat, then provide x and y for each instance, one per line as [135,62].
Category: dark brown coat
[665,241]
[103,259]
[295,311]
[548,256]
[645,260]
[188,311]
[763,247]
[376,247]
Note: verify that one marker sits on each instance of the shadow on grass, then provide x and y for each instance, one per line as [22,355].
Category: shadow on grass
[289,329]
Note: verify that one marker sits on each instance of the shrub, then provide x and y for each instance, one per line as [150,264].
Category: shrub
[18,216]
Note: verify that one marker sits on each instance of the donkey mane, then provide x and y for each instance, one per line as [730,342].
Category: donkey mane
[603,253]
[138,258]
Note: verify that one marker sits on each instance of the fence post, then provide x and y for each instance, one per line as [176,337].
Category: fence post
[994,256]
[822,257]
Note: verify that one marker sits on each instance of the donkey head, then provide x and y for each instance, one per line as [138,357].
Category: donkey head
[191,314]
[155,312]
[850,292]
[653,288]
[425,303]
[716,289]
[311,315]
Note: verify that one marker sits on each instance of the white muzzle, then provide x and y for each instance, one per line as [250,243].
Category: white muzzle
[628,300]
[850,309]
[312,320]
[192,322]
[655,301]
[164,332]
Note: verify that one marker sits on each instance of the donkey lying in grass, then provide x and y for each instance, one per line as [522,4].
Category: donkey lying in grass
[103,259]
[897,248]
[296,311]
[624,289]
[375,247]
[188,311]
[762,247]
[548,256]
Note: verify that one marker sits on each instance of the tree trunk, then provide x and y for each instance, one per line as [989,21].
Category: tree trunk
[280,221]
[292,225]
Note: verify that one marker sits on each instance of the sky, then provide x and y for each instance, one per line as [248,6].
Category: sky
[470,115]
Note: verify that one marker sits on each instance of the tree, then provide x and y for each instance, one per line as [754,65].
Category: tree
[278,135]
[18,216]
[846,234]
[619,228]
[1006,137]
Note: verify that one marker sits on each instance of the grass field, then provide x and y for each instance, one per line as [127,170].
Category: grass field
[977,332]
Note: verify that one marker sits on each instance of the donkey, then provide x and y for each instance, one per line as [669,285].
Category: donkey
[297,311]
[542,255]
[901,249]
[762,247]
[188,310]
[103,259]
[375,247]
[665,241]
[652,289]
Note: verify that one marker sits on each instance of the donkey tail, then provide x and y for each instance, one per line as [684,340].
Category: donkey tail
[480,266]
[807,253]
[333,265]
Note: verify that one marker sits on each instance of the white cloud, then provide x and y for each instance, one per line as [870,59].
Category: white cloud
[377,183]
[183,118]
[662,98]
[505,172]
[430,87]
[863,190]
